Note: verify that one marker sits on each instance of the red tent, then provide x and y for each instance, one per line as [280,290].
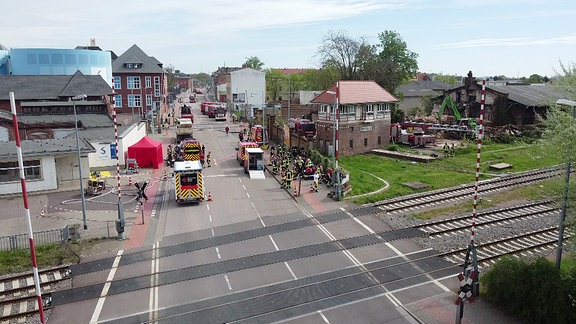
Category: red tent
[147,152]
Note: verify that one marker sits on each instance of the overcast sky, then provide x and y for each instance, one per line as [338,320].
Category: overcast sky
[492,37]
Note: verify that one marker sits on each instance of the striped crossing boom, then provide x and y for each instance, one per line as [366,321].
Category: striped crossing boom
[479,149]
[27,210]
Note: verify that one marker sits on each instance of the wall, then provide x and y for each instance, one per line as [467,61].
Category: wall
[250,82]
[48,181]
[357,132]
[103,158]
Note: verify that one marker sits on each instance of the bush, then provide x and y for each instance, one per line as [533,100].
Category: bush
[533,291]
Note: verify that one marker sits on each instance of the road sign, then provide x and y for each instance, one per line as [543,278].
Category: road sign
[465,288]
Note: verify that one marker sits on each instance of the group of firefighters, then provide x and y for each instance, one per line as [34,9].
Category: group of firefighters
[449,150]
[177,154]
[291,164]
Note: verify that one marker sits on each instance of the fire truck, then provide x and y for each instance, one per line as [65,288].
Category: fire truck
[188,180]
[186,112]
[241,155]
[220,113]
[191,149]
[414,138]
[257,134]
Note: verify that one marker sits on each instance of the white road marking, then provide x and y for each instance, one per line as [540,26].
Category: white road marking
[154,270]
[290,269]
[324,317]
[208,207]
[102,299]
[212,229]
[243,186]
[228,282]
[247,194]
[218,253]
[274,243]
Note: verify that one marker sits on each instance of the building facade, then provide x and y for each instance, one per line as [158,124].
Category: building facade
[53,61]
[363,117]
[140,84]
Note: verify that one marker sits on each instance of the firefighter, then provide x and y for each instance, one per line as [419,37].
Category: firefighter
[452,150]
[227,129]
[208,158]
[300,164]
[446,149]
[274,163]
[289,177]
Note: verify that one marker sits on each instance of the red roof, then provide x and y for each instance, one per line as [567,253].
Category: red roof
[356,92]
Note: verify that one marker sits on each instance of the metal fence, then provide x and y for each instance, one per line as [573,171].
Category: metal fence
[20,241]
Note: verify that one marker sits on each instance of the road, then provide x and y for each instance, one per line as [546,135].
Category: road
[256,254]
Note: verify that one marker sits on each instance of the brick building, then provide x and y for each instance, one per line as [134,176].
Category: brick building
[363,114]
[140,83]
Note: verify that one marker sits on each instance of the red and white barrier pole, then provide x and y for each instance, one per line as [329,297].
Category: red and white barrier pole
[121,221]
[27,210]
[480,136]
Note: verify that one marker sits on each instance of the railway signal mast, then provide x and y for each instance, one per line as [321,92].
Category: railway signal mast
[469,285]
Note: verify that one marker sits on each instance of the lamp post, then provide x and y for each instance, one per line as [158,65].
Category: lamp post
[79,97]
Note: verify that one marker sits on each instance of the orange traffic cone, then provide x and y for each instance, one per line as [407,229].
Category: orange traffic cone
[295,193]
[129,181]
[312,187]
[209,196]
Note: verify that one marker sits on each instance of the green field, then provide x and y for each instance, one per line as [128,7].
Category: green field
[440,173]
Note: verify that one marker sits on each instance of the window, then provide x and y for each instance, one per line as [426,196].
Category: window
[365,142]
[148,100]
[10,172]
[156,86]
[133,82]
[134,101]
[117,82]
[379,140]
[351,144]
[118,100]
[148,81]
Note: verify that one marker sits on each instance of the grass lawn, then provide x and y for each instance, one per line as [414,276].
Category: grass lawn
[443,172]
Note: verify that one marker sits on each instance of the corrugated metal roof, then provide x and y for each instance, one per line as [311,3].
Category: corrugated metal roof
[44,147]
[132,55]
[419,88]
[530,95]
[52,87]
[356,92]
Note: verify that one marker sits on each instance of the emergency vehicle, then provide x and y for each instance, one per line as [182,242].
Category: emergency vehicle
[241,155]
[257,134]
[414,138]
[254,162]
[220,113]
[188,181]
[191,149]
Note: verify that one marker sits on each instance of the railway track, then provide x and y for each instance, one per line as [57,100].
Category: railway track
[444,196]
[18,293]
[497,217]
[524,245]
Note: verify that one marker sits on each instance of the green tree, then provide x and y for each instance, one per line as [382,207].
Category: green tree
[340,52]
[560,129]
[254,62]
[535,78]
[274,83]
[448,79]
[395,63]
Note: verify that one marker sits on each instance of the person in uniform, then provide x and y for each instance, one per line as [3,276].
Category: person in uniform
[316,178]
[289,176]
[208,158]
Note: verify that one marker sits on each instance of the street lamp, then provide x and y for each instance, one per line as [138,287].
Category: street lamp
[336,172]
[74,99]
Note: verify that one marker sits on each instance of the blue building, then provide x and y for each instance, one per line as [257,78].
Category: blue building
[51,61]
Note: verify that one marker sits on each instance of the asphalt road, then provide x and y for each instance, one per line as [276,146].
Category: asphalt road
[255,254]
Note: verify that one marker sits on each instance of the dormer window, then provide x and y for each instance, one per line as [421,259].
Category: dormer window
[132,65]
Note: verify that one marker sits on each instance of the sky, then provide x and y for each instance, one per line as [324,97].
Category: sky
[514,38]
